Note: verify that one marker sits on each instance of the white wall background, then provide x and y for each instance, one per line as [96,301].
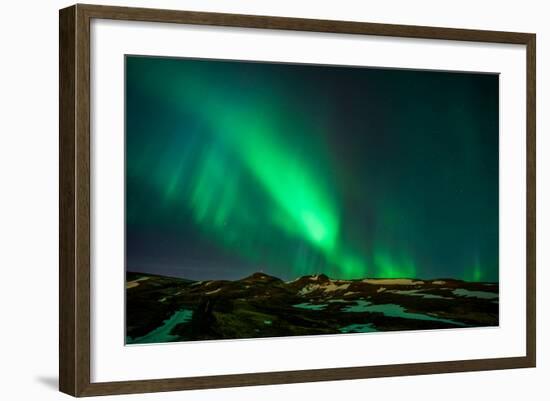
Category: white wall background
[29,181]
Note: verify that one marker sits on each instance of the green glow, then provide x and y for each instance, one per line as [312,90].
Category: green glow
[352,266]
[215,192]
[254,171]
[286,176]
[291,179]
[390,267]
[476,272]
[297,189]
[298,192]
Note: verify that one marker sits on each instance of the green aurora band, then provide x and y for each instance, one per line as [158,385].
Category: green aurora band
[252,171]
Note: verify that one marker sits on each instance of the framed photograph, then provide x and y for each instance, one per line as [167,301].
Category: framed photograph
[250,200]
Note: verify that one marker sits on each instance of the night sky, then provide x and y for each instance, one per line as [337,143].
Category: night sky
[293,169]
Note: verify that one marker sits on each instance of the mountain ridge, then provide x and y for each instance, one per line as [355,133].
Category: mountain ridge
[261,305]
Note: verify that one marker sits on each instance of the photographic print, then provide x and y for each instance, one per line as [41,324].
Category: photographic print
[276,199]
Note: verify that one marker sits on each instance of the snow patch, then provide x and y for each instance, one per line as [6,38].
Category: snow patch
[335,287]
[306,305]
[418,293]
[135,283]
[309,288]
[475,294]
[392,281]
[358,328]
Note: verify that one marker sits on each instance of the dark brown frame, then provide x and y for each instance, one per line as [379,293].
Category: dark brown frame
[74,200]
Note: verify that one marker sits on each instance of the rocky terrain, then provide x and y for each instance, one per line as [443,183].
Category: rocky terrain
[165,309]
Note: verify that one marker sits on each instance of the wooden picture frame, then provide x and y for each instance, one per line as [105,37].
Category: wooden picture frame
[74,200]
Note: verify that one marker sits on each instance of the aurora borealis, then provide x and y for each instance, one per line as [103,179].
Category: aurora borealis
[236,167]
